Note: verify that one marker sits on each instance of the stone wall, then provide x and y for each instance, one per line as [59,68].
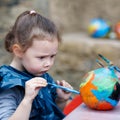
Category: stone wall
[69,15]
[10,9]
[75,15]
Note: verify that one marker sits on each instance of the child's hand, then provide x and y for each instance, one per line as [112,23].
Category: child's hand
[33,86]
[63,95]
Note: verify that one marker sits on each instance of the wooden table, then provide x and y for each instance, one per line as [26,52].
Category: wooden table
[84,113]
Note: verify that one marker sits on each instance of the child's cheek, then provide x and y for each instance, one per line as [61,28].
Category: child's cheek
[34,69]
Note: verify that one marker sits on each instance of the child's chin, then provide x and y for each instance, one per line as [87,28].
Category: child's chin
[38,75]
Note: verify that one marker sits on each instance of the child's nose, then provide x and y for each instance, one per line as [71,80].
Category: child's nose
[47,63]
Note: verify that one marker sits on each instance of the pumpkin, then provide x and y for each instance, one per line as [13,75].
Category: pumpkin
[100,89]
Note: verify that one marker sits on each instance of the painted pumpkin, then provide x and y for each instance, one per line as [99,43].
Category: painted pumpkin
[100,89]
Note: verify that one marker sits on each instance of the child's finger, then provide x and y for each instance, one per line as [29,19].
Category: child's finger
[66,84]
[39,82]
[58,82]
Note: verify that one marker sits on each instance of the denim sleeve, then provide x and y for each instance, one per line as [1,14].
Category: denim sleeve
[9,101]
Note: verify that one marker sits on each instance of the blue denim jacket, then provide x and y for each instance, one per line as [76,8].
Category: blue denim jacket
[44,106]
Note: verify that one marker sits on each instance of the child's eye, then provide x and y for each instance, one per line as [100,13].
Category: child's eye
[42,57]
[52,56]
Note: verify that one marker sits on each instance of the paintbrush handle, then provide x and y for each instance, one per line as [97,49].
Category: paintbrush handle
[64,88]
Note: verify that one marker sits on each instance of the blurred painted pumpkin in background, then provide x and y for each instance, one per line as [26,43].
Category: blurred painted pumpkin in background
[117,30]
[100,89]
[98,28]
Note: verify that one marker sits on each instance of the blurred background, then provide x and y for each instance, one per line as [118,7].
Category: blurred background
[80,48]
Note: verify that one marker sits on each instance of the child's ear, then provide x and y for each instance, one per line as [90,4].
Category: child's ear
[17,50]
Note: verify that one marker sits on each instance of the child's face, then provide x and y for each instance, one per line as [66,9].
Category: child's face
[40,57]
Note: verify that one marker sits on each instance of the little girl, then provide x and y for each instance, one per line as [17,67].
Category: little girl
[24,90]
